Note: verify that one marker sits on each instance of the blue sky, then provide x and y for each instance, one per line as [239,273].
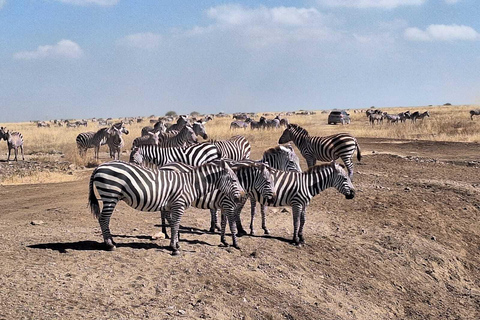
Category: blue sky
[101,58]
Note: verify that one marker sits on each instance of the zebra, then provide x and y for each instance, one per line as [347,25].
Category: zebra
[151,155]
[181,122]
[149,138]
[14,141]
[375,117]
[236,148]
[178,139]
[252,175]
[237,124]
[475,112]
[280,158]
[392,118]
[296,189]
[417,115]
[404,116]
[158,127]
[156,190]
[329,148]
[115,141]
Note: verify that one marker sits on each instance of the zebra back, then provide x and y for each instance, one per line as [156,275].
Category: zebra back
[236,148]
[282,158]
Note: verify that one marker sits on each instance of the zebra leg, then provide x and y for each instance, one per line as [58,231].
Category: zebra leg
[16,153]
[296,211]
[104,221]
[223,225]
[302,223]
[252,215]
[176,215]
[238,210]
[21,149]
[213,220]
[164,227]
[8,158]
[263,209]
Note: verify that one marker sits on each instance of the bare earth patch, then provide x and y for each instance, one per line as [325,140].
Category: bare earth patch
[407,247]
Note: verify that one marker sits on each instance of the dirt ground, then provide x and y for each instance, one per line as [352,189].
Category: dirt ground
[407,247]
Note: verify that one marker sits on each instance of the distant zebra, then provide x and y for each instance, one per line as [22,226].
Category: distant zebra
[237,124]
[236,148]
[392,118]
[149,138]
[115,140]
[155,156]
[404,116]
[329,148]
[417,115]
[253,176]
[296,189]
[158,127]
[181,122]
[475,112]
[375,117]
[156,190]
[14,141]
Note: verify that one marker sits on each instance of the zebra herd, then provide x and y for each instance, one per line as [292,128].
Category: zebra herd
[218,174]
[376,116]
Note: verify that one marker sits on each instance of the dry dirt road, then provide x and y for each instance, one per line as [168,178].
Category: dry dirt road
[407,247]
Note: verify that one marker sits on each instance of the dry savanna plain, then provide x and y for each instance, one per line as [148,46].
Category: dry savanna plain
[406,247]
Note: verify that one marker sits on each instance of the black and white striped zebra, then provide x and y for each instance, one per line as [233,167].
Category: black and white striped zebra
[236,148]
[159,126]
[156,190]
[155,156]
[296,189]
[90,139]
[115,140]
[181,122]
[329,148]
[149,138]
[475,112]
[417,115]
[178,139]
[252,175]
[14,141]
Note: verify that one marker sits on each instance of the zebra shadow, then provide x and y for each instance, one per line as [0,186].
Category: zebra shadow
[88,245]
[267,236]
[190,230]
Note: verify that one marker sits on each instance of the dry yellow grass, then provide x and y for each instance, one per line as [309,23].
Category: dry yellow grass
[446,123]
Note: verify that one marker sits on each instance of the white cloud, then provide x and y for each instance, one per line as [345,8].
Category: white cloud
[441,32]
[145,41]
[103,3]
[2,3]
[262,26]
[63,49]
[386,4]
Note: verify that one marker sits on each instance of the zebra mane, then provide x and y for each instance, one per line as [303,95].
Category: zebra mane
[296,128]
[324,166]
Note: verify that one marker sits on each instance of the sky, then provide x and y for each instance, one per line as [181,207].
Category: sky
[64,59]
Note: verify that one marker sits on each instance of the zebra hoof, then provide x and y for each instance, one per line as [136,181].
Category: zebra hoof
[223,245]
[110,245]
[266,231]
[175,253]
[241,233]
[212,230]
[236,246]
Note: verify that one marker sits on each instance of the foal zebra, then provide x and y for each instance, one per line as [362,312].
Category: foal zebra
[156,190]
[329,148]
[475,112]
[155,156]
[14,141]
[253,176]
[236,148]
[296,189]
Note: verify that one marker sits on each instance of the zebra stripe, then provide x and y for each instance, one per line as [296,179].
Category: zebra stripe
[156,190]
[151,155]
[175,139]
[236,148]
[296,189]
[87,140]
[253,176]
[14,141]
[329,148]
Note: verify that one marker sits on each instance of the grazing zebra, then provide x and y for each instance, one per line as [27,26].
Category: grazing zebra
[14,141]
[115,141]
[156,190]
[404,116]
[236,148]
[175,139]
[237,124]
[151,155]
[296,189]
[253,176]
[417,115]
[329,148]
[392,118]
[475,112]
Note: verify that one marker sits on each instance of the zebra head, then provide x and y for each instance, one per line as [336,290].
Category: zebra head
[136,155]
[341,181]
[199,129]
[292,163]
[264,184]
[292,133]
[228,183]
[191,136]
[3,133]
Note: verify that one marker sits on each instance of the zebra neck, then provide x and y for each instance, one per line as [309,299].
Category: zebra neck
[317,181]
[203,182]
[300,139]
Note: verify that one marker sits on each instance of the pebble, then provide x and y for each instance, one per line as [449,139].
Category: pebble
[181,311]
[37,222]
[407,189]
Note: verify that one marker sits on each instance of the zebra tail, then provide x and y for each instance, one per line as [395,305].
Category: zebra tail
[359,154]
[92,199]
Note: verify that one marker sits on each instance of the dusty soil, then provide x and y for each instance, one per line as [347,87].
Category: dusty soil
[407,247]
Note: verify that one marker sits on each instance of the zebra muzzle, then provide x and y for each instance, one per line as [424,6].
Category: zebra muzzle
[350,195]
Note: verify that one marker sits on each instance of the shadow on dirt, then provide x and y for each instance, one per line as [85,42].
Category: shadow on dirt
[62,247]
